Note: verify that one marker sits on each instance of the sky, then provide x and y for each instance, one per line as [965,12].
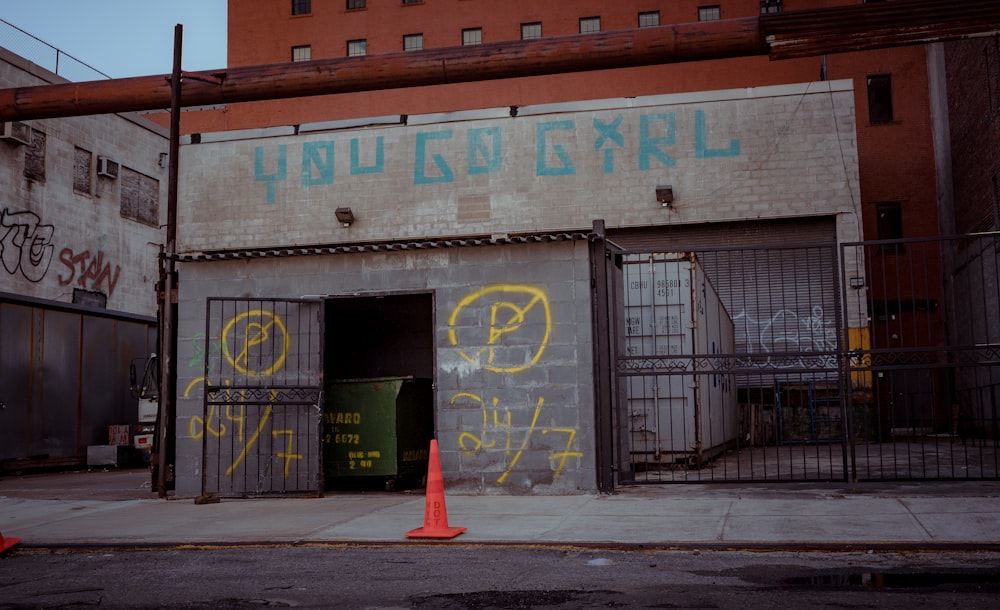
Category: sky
[120,38]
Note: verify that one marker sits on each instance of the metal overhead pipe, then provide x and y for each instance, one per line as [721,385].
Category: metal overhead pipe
[782,35]
[684,42]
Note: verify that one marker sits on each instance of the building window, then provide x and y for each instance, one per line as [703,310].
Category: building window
[34,157]
[353,5]
[649,19]
[589,25]
[303,53]
[879,99]
[357,48]
[530,31]
[140,197]
[413,42]
[889,225]
[301,7]
[472,36]
[413,1]
[82,161]
[709,13]
[768,7]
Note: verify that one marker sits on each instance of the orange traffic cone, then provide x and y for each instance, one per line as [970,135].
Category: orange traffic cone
[7,543]
[435,512]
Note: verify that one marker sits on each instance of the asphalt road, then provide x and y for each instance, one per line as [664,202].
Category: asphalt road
[487,577]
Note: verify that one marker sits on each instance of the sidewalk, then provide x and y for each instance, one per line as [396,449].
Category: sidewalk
[117,509]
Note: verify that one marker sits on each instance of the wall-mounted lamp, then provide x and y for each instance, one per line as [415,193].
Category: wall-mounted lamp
[857,282]
[344,216]
[164,157]
[665,195]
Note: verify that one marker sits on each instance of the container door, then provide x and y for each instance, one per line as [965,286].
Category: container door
[265,386]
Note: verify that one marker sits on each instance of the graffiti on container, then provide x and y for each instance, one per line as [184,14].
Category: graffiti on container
[94,272]
[517,332]
[502,429]
[787,331]
[25,244]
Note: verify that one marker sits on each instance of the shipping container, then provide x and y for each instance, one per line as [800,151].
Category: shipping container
[679,342]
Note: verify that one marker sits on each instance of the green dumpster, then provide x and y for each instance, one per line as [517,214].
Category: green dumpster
[377,430]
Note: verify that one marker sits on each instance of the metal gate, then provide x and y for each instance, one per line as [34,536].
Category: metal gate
[805,362]
[727,365]
[925,373]
[263,398]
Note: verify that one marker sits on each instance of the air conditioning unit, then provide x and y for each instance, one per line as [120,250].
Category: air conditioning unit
[15,132]
[107,168]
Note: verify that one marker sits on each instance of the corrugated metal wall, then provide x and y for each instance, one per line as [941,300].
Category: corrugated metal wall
[64,378]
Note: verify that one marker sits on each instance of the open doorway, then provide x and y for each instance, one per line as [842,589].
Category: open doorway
[379,405]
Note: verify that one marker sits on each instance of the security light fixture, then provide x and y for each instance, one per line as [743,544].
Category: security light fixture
[665,195]
[345,216]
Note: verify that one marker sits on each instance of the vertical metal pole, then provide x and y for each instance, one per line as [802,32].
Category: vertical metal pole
[167,371]
[603,363]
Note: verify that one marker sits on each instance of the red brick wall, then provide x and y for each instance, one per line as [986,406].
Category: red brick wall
[974,116]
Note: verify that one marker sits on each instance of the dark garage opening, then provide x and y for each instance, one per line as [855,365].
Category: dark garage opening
[379,406]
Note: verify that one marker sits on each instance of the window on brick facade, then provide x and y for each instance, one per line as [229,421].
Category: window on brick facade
[589,25]
[413,42]
[889,225]
[472,36]
[301,7]
[413,1]
[709,13]
[357,48]
[355,4]
[768,7]
[302,53]
[140,197]
[649,19]
[530,31]
[82,162]
[879,98]
[34,157]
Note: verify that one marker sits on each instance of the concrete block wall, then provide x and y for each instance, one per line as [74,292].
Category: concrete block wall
[769,152]
[56,239]
[514,388]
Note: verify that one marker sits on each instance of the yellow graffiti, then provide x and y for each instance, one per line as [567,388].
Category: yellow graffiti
[507,315]
[524,445]
[288,455]
[257,326]
[477,441]
[471,443]
[562,456]
[236,415]
[253,441]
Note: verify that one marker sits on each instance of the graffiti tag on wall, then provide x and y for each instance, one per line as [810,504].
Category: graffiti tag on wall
[256,344]
[25,244]
[438,156]
[505,329]
[26,249]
